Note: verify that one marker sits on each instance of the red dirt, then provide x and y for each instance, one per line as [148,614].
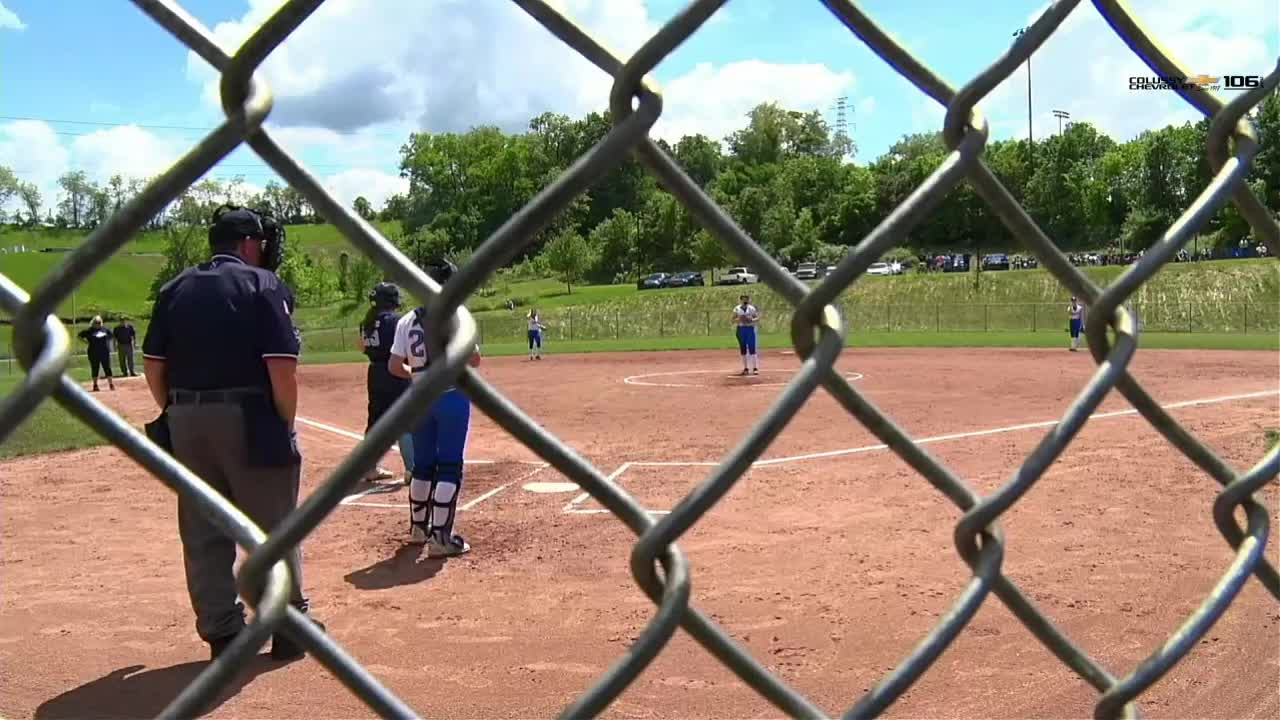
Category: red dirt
[828,570]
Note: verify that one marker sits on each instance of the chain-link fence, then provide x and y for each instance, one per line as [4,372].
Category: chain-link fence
[817,329]
[605,323]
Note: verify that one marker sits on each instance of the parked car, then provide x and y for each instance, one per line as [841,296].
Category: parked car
[653,282]
[807,271]
[685,279]
[995,261]
[880,268]
[738,276]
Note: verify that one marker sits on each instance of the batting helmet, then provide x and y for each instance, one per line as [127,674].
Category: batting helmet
[440,269]
[385,294]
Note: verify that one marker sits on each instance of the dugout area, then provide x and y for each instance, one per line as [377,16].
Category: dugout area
[829,560]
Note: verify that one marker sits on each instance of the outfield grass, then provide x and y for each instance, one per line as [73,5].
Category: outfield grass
[120,285]
[49,429]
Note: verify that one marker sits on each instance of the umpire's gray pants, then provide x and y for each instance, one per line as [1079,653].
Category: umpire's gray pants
[210,440]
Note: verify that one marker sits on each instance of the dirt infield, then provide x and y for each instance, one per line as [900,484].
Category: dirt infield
[830,560]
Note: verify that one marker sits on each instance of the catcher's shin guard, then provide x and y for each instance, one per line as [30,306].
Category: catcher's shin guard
[446,485]
[420,489]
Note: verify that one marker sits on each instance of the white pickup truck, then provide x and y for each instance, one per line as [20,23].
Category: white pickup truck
[738,276]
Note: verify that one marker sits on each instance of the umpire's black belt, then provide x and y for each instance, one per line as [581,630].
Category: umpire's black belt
[212,397]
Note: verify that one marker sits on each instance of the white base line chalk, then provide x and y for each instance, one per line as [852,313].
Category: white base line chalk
[573,509]
[394,446]
[357,501]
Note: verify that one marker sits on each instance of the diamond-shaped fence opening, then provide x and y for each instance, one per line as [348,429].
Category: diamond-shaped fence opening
[817,320]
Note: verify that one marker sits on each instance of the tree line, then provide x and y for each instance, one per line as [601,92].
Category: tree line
[785,177]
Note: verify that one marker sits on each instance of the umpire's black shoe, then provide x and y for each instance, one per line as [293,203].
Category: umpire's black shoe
[283,648]
[217,646]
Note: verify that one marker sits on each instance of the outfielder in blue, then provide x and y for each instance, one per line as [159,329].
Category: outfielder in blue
[535,335]
[745,317]
[439,441]
[377,334]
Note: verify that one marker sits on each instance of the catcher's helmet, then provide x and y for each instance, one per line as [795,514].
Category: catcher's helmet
[440,269]
[385,294]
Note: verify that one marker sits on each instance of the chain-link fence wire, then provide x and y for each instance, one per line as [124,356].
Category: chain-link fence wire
[817,330]
[590,324]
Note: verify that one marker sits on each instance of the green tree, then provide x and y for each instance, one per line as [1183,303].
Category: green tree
[709,252]
[77,192]
[615,243]
[363,208]
[362,275]
[9,186]
[700,157]
[32,200]
[183,244]
[569,256]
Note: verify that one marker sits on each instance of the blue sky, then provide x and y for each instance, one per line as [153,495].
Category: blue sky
[364,73]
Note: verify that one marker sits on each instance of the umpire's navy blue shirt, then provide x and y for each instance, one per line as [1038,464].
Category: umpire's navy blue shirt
[214,324]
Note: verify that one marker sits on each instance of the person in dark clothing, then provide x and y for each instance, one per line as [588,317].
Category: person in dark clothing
[99,339]
[125,334]
[377,333]
[220,357]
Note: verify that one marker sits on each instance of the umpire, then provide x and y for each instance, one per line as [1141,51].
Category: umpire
[220,358]
[377,332]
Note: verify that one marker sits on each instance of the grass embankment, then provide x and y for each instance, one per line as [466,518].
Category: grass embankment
[1195,300]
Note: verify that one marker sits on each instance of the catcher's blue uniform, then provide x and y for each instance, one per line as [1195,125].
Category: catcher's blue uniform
[439,442]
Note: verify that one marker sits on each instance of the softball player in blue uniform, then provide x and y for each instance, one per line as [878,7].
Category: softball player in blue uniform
[1076,312]
[745,317]
[377,333]
[439,440]
[535,335]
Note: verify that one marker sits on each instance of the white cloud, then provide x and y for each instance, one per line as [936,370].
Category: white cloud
[452,64]
[376,186]
[442,66]
[9,20]
[126,150]
[865,107]
[714,100]
[1084,67]
[32,150]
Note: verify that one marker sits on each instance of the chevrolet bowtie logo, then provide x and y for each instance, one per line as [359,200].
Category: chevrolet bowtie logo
[1203,80]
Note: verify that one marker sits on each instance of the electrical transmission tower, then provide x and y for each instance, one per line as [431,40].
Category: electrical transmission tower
[842,120]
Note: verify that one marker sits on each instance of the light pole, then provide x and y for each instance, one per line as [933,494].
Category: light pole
[1061,114]
[1030,142]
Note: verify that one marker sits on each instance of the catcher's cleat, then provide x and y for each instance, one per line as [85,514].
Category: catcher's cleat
[441,547]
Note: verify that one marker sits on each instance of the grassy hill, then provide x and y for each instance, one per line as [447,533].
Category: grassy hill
[315,238]
[1227,296]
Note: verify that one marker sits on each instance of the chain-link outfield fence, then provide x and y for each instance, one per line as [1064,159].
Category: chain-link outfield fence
[605,323]
[817,329]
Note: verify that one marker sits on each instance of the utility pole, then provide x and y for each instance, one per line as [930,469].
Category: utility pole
[1061,115]
[1030,142]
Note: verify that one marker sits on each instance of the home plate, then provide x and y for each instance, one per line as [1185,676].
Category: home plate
[551,487]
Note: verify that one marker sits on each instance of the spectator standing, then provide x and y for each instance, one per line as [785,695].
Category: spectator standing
[125,336]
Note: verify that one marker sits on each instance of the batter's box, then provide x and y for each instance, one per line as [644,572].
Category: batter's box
[482,481]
